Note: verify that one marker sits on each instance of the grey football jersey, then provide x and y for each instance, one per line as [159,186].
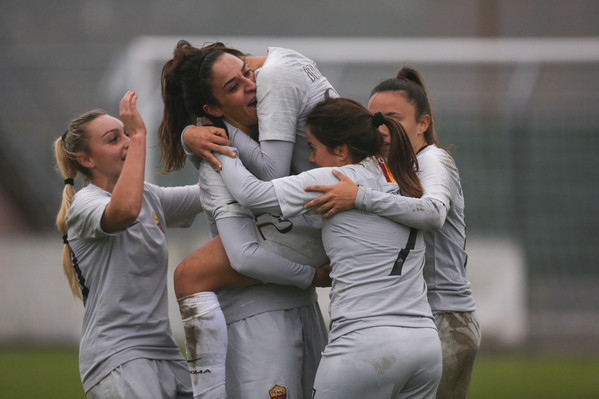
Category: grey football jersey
[288,86]
[126,311]
[363,248]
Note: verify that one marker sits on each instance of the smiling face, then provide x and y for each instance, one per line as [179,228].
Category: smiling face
[108,146]
[234,87]
[395,104]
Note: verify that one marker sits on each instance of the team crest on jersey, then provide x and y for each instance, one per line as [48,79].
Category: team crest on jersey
[158,222]
[278,392]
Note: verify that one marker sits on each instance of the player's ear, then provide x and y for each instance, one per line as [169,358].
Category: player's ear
[85,160]
[212,110]
[342,153]
[423,123]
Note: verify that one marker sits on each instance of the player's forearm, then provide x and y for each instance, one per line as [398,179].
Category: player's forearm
[248,258]
[126,199]
[421,213]
[267,160]
[248,190]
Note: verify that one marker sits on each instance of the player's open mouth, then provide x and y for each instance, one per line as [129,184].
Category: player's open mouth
[253,103]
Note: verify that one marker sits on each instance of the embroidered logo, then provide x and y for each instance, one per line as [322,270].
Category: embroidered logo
[158,222]
[278,392]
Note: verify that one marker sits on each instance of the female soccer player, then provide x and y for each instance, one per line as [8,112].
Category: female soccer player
[276,332]
[115,256]
[440,213]
[383,342]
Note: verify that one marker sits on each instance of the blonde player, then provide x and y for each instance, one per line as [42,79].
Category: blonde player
[115,256]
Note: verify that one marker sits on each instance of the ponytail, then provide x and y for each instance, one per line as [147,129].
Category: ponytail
[66,148]
[175,115]
[402,160]
[68,192]
[337,121]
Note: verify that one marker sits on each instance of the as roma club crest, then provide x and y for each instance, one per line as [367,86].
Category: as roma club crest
[278,392]
[158,222]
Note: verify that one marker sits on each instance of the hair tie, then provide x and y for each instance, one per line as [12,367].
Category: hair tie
[65,240]
[64,135]
[70,181]
[378,119]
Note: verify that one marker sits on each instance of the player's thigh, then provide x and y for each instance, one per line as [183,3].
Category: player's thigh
[460,339]
[182,379]
[207,269]
[265,355]
[378,362]
[144,378]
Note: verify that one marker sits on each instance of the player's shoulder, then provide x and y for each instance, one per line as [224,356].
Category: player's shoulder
[87,201]
[284,55]
[431,154]
[89,193]
[282,62]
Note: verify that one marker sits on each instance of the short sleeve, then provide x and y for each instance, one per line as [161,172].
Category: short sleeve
[85,215]
[180,204]
[280,91]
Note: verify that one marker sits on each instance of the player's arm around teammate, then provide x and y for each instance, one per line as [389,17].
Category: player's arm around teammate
[219,84]
[440,213]
[378,315]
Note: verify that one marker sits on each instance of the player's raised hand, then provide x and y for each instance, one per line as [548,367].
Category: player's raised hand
[335,198]
[134,123]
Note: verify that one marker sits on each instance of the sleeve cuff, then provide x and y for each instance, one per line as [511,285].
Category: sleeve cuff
[363,199]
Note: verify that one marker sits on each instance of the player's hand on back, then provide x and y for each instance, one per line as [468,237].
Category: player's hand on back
[204,140]
[321,277]
[335,198]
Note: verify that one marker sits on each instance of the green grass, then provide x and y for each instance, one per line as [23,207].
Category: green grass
[531,377]
[53,373]
[40,373]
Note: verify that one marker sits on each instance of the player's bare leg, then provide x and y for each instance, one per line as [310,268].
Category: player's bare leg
[196,278]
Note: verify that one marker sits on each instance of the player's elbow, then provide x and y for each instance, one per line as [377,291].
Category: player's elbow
[436,215]
[244,202]
[435,224]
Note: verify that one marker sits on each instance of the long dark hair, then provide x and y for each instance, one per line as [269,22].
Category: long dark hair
[337,121]
[186,87]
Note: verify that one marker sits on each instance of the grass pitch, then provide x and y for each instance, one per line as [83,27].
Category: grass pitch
[53,373]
